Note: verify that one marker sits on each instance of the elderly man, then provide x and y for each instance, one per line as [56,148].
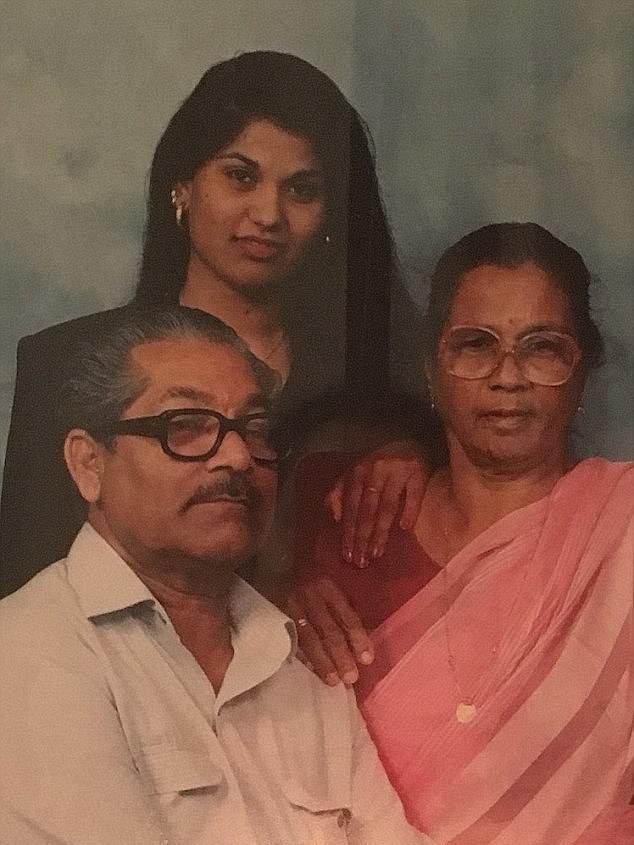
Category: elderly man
[149,695]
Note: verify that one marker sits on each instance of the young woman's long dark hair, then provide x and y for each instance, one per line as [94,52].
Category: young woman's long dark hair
[355,246]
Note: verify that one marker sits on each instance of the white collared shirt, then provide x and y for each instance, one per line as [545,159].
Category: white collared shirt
[112,735]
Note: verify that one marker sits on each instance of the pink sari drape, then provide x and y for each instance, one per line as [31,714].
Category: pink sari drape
[537,612]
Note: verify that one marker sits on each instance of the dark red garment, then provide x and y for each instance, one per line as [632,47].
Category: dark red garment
[387,583]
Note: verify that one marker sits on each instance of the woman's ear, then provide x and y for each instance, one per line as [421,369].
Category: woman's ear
[181,195]
[85,461]
[430,372]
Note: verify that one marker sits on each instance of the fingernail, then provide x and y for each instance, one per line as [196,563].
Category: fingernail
[366,657]
[376,552]
[332,679]
[362,562]
[351,677]
[347,555]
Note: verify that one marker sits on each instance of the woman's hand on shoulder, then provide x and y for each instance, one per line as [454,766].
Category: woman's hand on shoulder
[369,497]
[331,636]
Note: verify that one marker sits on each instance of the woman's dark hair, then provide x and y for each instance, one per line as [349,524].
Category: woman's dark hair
[301,99]
[511,245]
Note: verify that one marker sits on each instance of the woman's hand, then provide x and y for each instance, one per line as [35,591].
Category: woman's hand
[331,636]
[366,499]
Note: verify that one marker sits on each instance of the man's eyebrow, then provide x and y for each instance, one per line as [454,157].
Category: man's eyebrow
[254,402]
[190,393]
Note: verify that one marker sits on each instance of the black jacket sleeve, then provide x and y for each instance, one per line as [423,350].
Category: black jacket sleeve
[40,509]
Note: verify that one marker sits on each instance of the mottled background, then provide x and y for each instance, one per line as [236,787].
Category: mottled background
[481,110]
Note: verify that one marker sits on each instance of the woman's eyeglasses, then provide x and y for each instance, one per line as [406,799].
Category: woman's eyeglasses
[196,434]
[543,357]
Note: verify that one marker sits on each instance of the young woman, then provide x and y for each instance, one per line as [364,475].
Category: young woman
[501,693]
[264,210]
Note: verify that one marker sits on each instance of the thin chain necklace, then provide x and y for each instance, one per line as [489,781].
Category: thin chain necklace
[466,709]
[277,345]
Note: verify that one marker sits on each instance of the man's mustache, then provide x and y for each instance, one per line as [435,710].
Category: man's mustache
[233,485]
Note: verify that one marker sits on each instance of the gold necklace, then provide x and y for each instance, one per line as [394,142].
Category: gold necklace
[467,709]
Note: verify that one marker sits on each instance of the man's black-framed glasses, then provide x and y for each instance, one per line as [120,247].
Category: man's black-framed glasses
[196,434]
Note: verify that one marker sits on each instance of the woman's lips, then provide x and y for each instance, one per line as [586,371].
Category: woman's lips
[260,249]
[505,412]
[506,418]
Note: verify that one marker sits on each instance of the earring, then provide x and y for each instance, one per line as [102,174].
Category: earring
[327,240]
[178,207]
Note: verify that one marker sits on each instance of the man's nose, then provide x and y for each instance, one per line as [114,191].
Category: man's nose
[232,452]
[266,207]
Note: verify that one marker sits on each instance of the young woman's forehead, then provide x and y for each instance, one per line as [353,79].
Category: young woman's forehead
[266,142]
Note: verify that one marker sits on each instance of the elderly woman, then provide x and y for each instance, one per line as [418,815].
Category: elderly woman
[501,695]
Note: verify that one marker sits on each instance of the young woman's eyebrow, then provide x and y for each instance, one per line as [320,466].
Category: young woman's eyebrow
[310,172]
[244,159]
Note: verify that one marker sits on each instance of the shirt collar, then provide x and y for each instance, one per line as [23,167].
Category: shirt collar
[102,580]
[262,636]
[263,639]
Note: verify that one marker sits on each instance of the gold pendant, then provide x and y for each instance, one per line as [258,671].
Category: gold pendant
[465,712]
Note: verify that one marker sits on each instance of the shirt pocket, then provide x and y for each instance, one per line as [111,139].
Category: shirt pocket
[168,770]
[318,819]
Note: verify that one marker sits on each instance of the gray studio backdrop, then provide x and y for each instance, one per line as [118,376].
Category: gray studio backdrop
[481,110]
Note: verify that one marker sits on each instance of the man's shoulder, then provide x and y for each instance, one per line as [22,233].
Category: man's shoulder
[270,634]
[334,707]
[42,614]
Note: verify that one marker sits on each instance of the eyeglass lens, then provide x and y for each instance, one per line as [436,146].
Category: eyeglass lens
[194,435]
[546,358]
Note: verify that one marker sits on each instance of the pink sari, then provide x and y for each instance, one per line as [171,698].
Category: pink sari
[538,613]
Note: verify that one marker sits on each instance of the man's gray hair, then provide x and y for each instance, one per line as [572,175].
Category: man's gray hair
[101,382]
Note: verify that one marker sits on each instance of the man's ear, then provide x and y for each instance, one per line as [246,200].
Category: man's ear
[84,458]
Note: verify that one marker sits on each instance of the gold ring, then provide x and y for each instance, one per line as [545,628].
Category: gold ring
[301,623]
